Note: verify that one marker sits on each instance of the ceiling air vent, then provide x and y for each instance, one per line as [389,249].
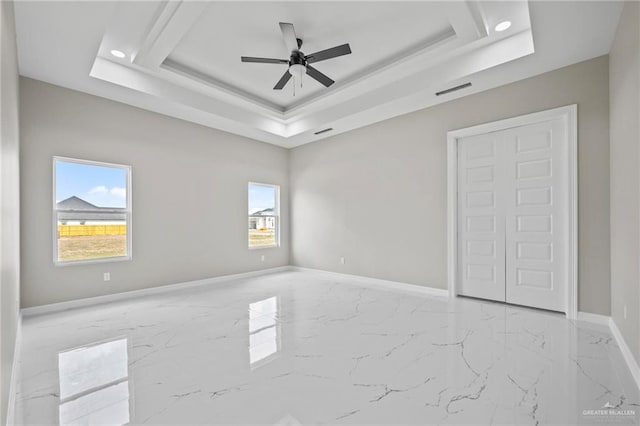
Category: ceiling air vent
[328,129]
[453,89]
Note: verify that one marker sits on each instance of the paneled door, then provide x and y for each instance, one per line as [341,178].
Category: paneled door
[481,217]
[513,215]
[537,183]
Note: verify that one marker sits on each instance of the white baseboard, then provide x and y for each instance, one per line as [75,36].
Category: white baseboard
[624,348]
[382,284]
[15,374]
[594,318]
[127,295]
[626,352]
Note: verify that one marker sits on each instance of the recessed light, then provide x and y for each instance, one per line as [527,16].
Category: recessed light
[118,53]
[504,25]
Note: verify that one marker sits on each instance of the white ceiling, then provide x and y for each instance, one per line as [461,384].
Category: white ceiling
[183,57]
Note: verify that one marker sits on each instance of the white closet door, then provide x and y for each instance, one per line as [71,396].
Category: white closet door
[513,215]
[537,197]
[481,225]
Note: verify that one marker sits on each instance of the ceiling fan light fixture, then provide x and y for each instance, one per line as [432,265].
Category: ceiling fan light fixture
[297,70]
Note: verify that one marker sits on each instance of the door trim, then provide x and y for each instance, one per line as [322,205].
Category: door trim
[569,115]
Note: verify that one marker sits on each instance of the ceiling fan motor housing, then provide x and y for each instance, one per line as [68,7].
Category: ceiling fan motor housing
[297,57]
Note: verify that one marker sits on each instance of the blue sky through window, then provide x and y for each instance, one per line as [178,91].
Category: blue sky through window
[102,186]
[261,197]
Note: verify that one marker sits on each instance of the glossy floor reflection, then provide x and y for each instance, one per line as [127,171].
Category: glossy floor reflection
[307,348]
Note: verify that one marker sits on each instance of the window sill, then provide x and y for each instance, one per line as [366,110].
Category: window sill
[264,247]
[92,261]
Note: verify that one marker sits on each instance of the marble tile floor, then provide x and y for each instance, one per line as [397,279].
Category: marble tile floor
[307,348]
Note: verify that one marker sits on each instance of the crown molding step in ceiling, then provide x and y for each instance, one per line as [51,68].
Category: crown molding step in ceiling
[182,58]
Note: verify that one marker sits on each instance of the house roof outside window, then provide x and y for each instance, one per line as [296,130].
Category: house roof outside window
[78,209]
[265,212]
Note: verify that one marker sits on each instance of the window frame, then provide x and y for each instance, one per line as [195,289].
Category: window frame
[54,210]
[276,215]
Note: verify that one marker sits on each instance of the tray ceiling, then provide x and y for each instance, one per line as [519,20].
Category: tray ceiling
[182,58]
[378,34]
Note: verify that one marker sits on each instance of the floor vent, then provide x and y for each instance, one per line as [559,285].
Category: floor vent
[453,89]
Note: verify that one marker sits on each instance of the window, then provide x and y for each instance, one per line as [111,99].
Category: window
[264,214]
[92,211]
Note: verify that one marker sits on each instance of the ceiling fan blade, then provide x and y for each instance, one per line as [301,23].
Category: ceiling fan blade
[333,52]
[317,75]
[283,81]
[263,60]
[289,35]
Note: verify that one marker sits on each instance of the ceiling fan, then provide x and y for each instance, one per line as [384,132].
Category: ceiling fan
[299,62]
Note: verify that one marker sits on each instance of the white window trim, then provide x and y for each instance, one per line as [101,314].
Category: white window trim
[54,215]
[276,215]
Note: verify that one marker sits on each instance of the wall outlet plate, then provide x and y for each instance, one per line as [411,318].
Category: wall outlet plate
[107,276]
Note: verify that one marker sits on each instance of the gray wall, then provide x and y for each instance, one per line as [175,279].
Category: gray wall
[189,194]
[9,201]
[377,195]
[624,86]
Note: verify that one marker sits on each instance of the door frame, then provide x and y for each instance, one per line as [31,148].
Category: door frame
[569,115]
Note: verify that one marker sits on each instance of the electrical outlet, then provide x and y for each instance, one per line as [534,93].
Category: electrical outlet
[262,258]
[107,276]
[625,312]
[342,260]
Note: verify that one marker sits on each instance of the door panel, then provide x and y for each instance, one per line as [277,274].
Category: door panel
[480,221]
[537,215]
